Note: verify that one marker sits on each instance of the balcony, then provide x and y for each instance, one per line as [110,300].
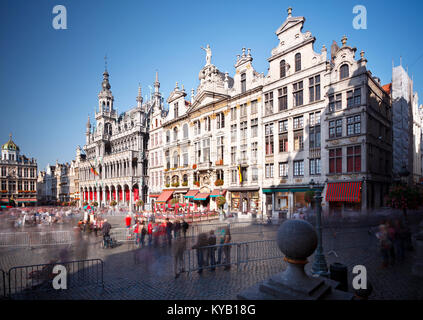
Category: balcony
[314,153]
[219,162]
[205,165]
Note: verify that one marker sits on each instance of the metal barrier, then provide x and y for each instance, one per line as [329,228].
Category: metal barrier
[234,227]
[2,283]
[26,239]
[122,234]
[26,281]
[230,254]
[14,239]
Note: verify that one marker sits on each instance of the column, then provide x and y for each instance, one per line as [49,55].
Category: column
[290,204]
[130,199]
[98,197]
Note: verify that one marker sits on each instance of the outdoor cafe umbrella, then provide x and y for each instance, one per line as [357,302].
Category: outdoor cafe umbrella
[88,207]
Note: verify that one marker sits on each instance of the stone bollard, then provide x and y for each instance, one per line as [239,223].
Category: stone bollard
[417,269]
[297,239]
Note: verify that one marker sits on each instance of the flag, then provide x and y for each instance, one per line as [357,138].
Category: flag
[239,174]
[92,169]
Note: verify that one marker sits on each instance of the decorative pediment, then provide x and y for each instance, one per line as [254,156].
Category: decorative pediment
[289,23]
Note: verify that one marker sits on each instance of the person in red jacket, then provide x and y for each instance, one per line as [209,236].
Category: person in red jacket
[128,220]
[150,233]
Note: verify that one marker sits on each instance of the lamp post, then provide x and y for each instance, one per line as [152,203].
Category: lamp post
[319,265]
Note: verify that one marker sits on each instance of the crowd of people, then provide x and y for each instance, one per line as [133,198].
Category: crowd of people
[394,239]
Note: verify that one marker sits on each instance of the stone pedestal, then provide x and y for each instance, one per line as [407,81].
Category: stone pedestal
[297,240]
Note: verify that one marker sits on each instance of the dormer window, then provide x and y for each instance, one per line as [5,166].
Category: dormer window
[175,106]
[243,82]
[298,62]
[344,71]
[282,67]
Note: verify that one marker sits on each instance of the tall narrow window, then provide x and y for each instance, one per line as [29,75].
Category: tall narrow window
[335,160]
[254,107]
[243,82]
[354,159]
[283,136]
[354,125]
[269,138]
[268,103]
[298,94]
[254,128]
[298,168]
[344,71]
[314,88]
[298,62]
[176,109]
[283,98]
[282,66]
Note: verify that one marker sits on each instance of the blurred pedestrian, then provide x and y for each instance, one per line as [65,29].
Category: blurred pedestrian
[177,229]
[202,241]
[221,242]
[400,238]
[384,244]
[150,233]
[169,228]
[227,249]
[211,254]
[178,253]
[185,227]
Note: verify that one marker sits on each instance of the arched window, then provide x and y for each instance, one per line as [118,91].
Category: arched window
[282,69]
[175,159]
[185,129]
[167,136]
[175,133]
[344,71]
[298,62]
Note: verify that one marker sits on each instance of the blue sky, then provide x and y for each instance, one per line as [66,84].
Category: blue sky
[49,79]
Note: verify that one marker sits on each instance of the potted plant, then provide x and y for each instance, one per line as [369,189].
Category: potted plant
[113,203]
[175,184]
[95,204]
[404,197]
[184,183]
[309,196]
[197,183]
[194,166]
[167,185]
[219,162]
[139,203]
[218,182]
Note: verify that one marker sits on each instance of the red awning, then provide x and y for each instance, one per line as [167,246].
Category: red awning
[191,194]
[201,196]
[164,196]
[216,193]
[154,195]
[343,191]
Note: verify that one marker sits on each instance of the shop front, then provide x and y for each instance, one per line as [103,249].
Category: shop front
[283,201]
[244,201]
[343,197]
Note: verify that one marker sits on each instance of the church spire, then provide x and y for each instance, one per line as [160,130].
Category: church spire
[139,97]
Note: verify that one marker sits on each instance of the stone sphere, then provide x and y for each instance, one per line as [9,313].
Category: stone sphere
[297,239]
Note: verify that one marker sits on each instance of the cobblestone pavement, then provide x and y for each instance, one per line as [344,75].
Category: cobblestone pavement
[147,273]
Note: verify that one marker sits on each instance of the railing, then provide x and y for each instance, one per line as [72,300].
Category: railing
[230,254]
[27,281]
[32,239]
[2,283]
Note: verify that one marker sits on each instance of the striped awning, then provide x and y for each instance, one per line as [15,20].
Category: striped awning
[164,196]
[201,196]
[191,194]
[216,193]
[343,191]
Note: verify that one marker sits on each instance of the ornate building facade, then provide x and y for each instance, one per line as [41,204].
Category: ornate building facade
[18,176]
[53,184]
[115,162]
[260,139]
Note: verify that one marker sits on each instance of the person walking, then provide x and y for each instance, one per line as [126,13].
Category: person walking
[137,231]
[211,258]
[391,236]
[128,220]
[227,249]
[150,233]
[176,229]
[202,241]
[384,245]
[169,227]
[400,238]
[143,233]
[178,254]
[185,227]
[105,230]
[220,249]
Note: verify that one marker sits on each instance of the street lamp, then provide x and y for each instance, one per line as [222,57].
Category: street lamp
[404,173]
[319,265]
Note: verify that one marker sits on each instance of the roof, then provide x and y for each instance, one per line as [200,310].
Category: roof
[10,145]
[387,88]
